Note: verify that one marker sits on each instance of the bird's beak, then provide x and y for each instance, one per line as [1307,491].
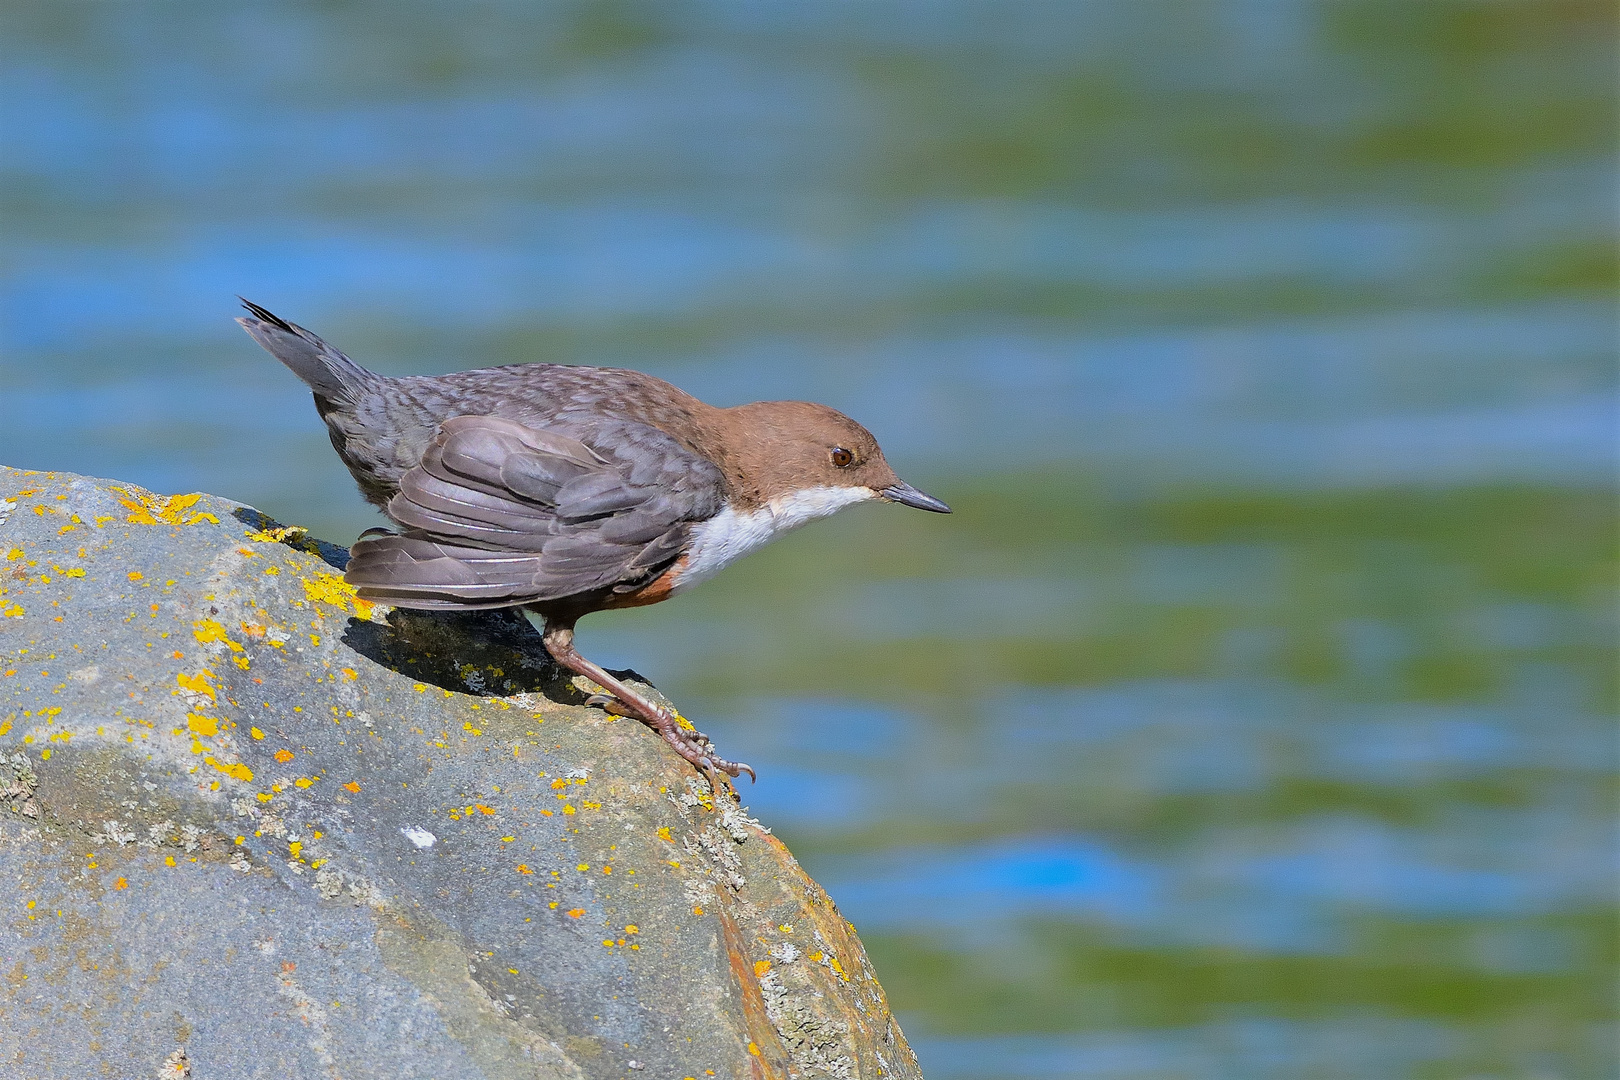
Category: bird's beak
[903,493]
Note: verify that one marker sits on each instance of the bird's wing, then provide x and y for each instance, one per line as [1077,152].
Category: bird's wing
[498,513]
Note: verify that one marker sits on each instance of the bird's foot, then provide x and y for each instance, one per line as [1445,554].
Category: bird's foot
[676,730]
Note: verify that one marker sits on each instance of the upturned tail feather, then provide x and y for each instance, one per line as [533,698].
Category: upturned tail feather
[324,369]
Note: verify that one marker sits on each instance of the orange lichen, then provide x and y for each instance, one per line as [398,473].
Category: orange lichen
[523,868]
[352,788]
[202,725]
[284,756]
[574,913]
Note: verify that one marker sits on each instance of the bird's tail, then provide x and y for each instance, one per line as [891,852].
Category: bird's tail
[324,370]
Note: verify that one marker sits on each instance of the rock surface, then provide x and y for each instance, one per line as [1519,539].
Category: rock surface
[253,827]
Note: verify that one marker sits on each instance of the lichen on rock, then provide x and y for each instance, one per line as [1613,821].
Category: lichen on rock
[252,825]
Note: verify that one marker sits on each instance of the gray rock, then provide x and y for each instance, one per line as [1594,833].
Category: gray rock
[253,827]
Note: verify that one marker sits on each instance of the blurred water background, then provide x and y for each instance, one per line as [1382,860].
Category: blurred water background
[1254,714]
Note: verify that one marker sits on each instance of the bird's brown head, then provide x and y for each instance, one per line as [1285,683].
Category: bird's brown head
[786,449]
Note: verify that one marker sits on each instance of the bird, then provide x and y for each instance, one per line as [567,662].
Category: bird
[562,490]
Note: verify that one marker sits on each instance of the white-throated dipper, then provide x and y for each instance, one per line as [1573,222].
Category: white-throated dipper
[565,490]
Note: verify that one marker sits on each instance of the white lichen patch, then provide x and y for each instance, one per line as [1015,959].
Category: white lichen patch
[17,784]
[421,838]
[735,820]
[699,892]
[114,832]
[815,1044]
[176,1066]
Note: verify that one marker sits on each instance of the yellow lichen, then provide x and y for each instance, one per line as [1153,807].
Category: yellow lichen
[237,771]
[149,509]
[207,630]
[197,683]
[332,589]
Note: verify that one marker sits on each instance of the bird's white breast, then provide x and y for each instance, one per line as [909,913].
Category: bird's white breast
[729,535]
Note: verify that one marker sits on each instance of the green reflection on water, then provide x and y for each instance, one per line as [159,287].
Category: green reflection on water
[1444,572]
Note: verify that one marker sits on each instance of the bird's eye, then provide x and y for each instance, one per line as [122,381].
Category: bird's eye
[842,458]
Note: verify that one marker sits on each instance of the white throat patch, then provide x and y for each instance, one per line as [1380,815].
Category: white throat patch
[730,535]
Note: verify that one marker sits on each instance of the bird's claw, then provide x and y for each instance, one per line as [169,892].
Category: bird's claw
[687,740]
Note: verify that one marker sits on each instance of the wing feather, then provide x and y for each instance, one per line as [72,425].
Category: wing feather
[498,514]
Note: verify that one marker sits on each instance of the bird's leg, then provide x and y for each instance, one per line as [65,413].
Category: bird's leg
[694,746]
